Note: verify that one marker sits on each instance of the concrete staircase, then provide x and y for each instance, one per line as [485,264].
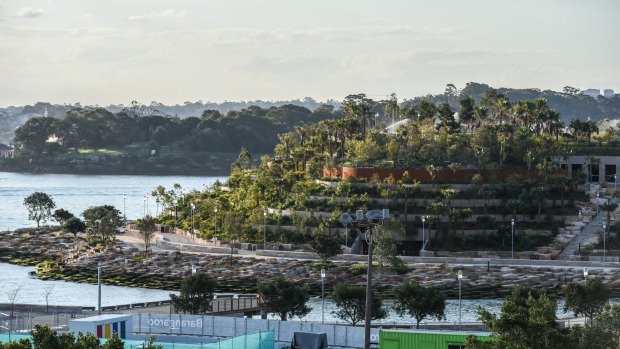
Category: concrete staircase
[594,227]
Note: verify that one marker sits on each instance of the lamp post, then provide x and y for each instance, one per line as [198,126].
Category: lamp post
[604,247]
[460,277]
[597,194]
[615,181]
[513,240]
[323,295]
[124,215]
[265,230]
[585,274]
[423,236]
[176,216]
[372,219]
[193,207]
[144,208]
[99,289]
[232,244]
[215,224]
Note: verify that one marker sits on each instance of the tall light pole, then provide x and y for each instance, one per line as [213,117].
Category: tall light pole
[232,243]
[124,215]
[265,230]
[146,198]
[423,236]
[460,277]
[99,289]
[176,216]
[323,295]
[193,207]
[373,219]
[513,240]
[215,224]
[604,247]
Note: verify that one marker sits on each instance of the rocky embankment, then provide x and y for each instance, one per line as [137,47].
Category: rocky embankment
[126,265]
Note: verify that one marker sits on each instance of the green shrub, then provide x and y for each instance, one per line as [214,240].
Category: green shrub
[358,269]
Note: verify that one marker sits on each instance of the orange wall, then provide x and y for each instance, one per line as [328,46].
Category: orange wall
[443,176]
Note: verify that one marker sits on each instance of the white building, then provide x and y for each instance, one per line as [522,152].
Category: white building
[6,151]
[608,93]
[592,92]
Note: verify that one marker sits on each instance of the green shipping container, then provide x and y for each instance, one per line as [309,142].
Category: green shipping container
[426,339]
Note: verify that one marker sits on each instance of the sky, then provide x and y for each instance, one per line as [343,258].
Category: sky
[172,51]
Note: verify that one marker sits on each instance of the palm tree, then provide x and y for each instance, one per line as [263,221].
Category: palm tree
[432,171]
[609,207]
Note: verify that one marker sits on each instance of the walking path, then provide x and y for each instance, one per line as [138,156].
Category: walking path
[589,232]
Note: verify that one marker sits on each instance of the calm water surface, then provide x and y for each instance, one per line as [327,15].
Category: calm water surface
[76,193]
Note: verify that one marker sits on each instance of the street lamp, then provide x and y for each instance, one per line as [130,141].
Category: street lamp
[176,216]
[193,207]
[124,215]
[323,295]
[585,274]
[232,244]
[460,277]
[215,224]
[372,219]
[99,289]
[604,247]
[513,239]
[423,236]
[265,230]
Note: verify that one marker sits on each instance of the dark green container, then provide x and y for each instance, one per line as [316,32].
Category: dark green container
[426,339]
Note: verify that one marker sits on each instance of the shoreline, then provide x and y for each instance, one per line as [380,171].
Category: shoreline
[165,270]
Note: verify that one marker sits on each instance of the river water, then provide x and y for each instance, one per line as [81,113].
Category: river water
[76,193]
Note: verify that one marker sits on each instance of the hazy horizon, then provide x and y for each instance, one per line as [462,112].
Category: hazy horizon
[112,52]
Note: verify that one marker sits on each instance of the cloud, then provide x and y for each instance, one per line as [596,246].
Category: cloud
[28,11]
[169,13]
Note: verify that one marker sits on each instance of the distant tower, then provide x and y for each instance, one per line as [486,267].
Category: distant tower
[45,113]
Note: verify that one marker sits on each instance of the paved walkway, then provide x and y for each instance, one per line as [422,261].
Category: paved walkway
[590,230]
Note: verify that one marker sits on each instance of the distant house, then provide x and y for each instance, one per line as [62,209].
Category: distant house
[6,151]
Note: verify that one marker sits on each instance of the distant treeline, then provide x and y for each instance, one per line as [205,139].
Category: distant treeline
[570,103]
[253,128]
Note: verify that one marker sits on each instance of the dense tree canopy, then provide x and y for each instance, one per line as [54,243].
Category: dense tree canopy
[350,304]
[419,302]
[196,294]
[284,297]
[588,299]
